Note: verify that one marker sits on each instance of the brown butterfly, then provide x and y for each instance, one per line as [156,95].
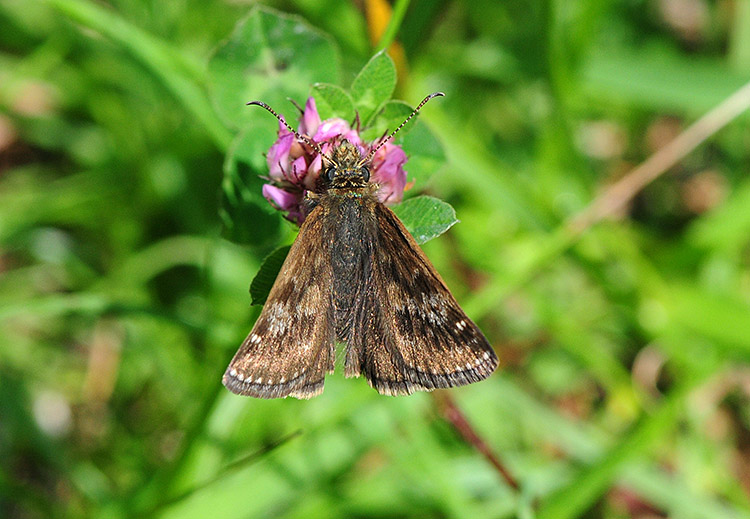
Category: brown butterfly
[355,275]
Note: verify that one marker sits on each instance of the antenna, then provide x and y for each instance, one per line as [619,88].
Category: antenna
[304,138]
[394,132]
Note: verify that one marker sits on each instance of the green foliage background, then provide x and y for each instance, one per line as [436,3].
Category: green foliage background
[131,224]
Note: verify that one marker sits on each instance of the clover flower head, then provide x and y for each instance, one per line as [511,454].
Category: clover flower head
[294,167]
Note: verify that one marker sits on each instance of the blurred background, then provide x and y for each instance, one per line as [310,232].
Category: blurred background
[624,386]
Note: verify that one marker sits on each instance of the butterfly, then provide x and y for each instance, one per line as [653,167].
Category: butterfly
[355,275]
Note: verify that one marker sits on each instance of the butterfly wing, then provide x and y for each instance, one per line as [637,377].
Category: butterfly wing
[291,347]
[409,333]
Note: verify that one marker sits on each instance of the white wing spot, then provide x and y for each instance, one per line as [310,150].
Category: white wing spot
[255,338]
[478,362]
[233,372]
[461,324]
[259,381]
[296,374]
[278,317]
[468,365]
[283,379]
[240,377]
[486,355]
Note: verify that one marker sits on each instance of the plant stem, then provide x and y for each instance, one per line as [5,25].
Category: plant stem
[397,16]
[453,414]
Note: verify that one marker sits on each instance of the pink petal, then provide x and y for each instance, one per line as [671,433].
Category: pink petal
[353,137]
[388,171]
[278,156]
[331,128]
[313,172]
[297,171]
[283,130]
[281,199]
[310,118]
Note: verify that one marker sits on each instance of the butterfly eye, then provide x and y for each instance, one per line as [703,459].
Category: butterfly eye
[365,171]
[330,173]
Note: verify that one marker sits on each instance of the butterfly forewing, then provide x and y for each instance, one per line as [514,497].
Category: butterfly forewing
[290,348]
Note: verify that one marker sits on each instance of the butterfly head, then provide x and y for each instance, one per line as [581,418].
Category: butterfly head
[345,167]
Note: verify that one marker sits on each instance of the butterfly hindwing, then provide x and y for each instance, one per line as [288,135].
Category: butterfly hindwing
[290,348]
[410,333]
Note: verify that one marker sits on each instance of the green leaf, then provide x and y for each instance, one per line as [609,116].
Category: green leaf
[724,319]
[333,101]
[727,226]
[247,216]
[389,117]
[270,57]
[373,85]
[425,154]
[264,279]
[254,141]
[659,78]
[426,217]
